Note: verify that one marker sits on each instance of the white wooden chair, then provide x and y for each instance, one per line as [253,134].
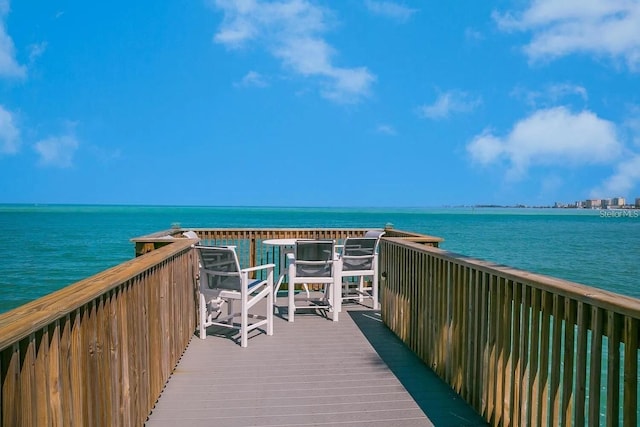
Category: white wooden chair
[374,233]
[359,258]
[222,282]
[312,262]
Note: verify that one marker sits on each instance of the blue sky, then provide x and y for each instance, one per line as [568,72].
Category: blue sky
[319,103]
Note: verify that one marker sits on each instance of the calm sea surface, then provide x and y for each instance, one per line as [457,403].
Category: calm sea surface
[44,248]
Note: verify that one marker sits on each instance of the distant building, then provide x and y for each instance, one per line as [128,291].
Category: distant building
[617,201]
[612,203]
[593,203]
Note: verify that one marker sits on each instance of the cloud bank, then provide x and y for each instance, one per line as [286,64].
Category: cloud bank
[623,181]
[609,28]
[292,31]
[554,136]
[57,151]
[9,133]
[9,67]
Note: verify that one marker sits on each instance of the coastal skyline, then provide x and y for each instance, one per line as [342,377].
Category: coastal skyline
[319,103]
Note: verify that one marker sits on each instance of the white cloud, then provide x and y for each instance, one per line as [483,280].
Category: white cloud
[559,91]
[626,176]
[551,94]
[623,181]
[36,50]
[390,9]
[554,136]
[9,67]
[291,30]
[386,130]
[448,103]
[486,148]
[252,79]
[9,133]
[562,27]
[57,151]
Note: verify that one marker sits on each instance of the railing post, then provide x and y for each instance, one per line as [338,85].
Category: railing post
[252,253]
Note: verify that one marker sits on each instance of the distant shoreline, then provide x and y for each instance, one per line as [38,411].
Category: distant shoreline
[91,206]
[555,207]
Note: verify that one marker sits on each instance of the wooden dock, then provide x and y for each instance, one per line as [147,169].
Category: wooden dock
[118,348]
[354,372]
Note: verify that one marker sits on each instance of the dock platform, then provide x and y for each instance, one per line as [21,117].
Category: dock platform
[312,372]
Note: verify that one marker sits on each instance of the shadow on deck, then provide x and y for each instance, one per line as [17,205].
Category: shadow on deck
[354,372]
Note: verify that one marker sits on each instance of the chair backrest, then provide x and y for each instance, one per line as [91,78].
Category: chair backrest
[314,258]
[191,235]
[219,268]
[374,233]
[359,253]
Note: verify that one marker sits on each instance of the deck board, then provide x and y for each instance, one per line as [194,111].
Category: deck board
[354,372]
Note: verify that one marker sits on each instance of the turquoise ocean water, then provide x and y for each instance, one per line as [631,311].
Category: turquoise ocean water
[44,248]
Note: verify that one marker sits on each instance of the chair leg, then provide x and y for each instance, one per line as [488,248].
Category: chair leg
[336,297]
[278,284]
[230,304]
[203,317]
[361,290]
[244,324]
[374,291]
[270,298]
[290,293]
[292,306]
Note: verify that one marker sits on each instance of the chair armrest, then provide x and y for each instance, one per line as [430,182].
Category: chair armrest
[356,256]
[258,267]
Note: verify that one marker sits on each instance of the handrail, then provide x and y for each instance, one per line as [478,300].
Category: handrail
[413,237]
[156,240]
[98,352]
[522,348]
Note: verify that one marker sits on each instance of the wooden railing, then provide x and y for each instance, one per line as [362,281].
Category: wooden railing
[248,242]
[523,349]
[98,353]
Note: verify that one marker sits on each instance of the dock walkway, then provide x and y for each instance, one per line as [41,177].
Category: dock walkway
[354,372]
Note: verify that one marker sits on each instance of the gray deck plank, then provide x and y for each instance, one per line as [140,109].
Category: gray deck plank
[350,373]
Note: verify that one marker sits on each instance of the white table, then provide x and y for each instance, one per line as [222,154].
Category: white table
[287,246]
[280,242]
